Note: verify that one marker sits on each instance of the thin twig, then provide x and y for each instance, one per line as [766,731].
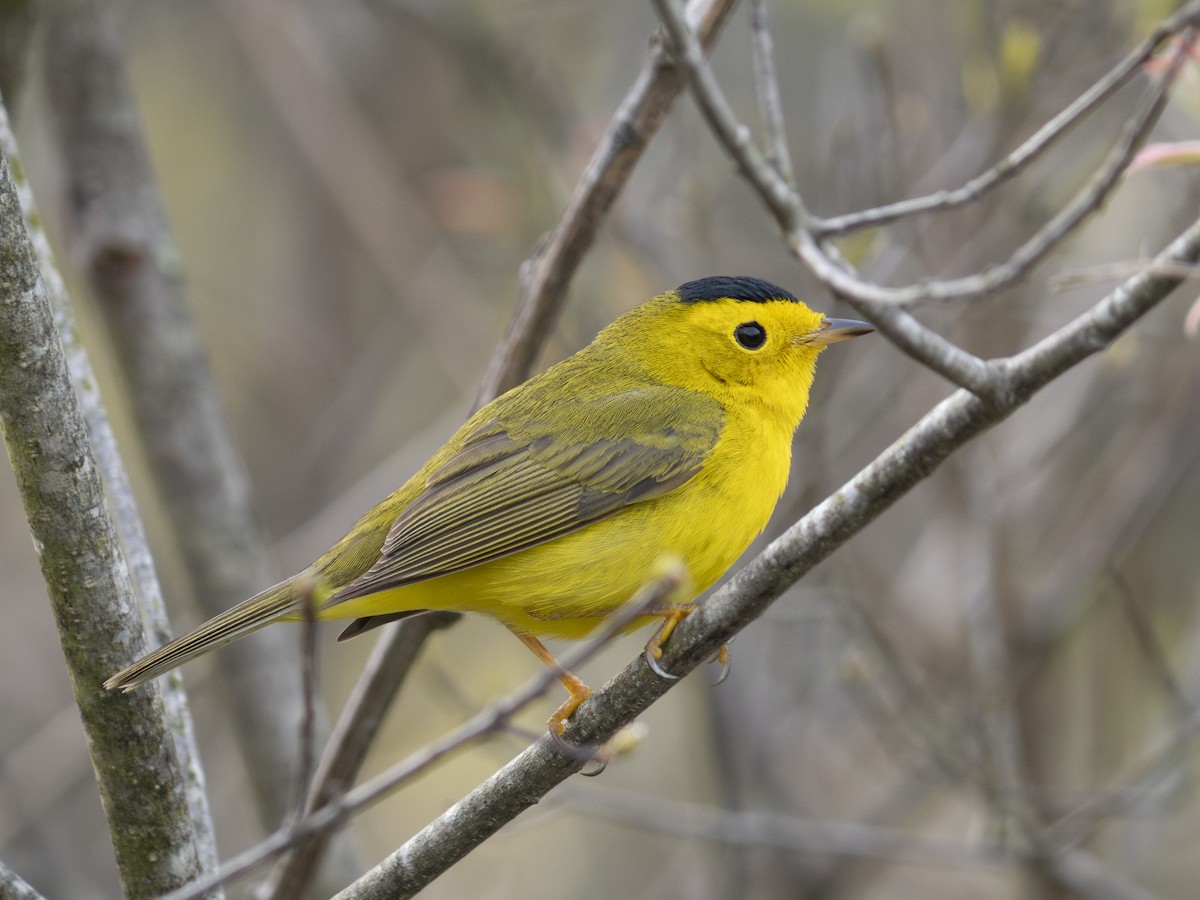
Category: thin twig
[1002,776]
[382,677]
[308,693]
[546,276]
[1016,162]
[872,299]
[662,815]
[766,83]
[783,201]
[1117,271]
[494,718]
[1152,649]
[787,206]
[910,459]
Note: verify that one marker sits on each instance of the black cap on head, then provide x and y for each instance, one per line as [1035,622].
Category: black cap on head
[735,287]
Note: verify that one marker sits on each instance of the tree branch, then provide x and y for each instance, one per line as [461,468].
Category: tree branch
[119,232]
[159,839]
[544,282]
[913,457]
[14,887]
[546,276]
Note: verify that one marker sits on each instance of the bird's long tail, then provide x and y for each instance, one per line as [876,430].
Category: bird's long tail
[247,617]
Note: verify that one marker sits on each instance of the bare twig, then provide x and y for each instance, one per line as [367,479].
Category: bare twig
[1041,140]
[308,693]
[913,457]
[784,202]
[346,749]
[872,299]
[757,829]
[340,144]
[1003,779]
[496,717]
[1117,271]
[788,209]
[1152,649]
[663,815]
[766,83]
[545,276]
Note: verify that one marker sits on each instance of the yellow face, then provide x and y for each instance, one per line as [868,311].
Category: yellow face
[757,354]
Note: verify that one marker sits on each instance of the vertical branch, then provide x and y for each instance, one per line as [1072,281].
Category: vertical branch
[391,658]
[766,83]
[119,231]
[123,509]
[1004,777]
[154,833]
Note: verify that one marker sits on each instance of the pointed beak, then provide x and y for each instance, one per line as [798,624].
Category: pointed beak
[835,330]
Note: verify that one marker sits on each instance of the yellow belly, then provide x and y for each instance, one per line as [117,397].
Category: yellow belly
[567,586]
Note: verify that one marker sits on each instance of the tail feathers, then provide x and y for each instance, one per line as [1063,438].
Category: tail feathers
[245,618]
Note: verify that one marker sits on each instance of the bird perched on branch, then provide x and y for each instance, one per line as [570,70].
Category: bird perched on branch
[670,435]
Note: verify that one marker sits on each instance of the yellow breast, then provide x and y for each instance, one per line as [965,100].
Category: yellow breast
[565,587]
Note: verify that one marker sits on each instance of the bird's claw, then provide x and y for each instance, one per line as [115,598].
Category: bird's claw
[724,659]
[656,667]
[574,751]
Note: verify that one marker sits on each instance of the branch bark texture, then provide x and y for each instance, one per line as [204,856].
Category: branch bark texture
[951,424]
[120,234]
[143,782]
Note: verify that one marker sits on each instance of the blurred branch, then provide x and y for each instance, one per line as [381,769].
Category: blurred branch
[682,819]
[161,837]
[1016,162]
[1151,649]
[757,829]
[17,20]
[341,146]
[766,83]
[544,281]
[384,674]
[121,237]
[546,275]
[873,299]
[752,590]
[1002,777]
[13,887]
[491,720]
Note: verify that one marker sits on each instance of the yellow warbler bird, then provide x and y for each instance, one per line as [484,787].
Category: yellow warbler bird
[669,435]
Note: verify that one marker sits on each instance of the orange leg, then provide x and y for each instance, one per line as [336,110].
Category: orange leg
[576,688]
[672,614]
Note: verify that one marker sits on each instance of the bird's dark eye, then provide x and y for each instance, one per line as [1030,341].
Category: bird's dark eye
[750,335]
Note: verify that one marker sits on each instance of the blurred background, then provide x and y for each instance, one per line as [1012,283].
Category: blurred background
[353,188]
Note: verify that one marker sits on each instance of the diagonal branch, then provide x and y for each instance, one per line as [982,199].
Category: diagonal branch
[880,302]
[546,276]
[913,457]
[544,282]
[1016,162]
